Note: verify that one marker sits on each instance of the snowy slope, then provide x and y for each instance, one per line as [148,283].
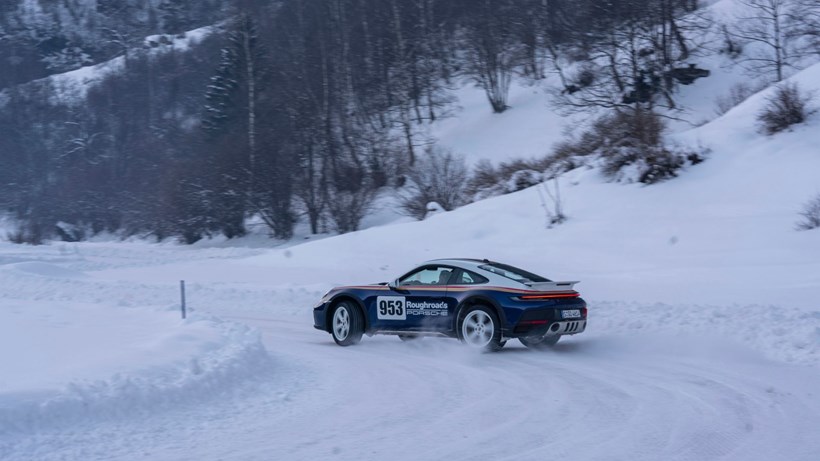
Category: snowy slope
[527,130]
[723,232]
[71,87]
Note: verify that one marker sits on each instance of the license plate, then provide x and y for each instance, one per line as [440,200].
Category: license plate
[571,314]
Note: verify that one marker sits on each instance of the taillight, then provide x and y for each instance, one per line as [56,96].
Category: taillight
[533,322]
[584,312]
[549,296]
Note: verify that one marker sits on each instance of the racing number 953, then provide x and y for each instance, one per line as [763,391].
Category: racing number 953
[390,308]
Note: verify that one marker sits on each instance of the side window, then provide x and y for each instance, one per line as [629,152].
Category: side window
[513,273]
[430,275]
[469,278]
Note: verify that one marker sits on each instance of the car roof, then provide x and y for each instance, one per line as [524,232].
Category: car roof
[494,277]
[466,263]
[475,266]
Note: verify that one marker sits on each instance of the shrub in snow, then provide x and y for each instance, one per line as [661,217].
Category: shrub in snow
[584,77]
[631,147]
[811,215]
[70,232]
[30,232]
[489,181]
[786,107]
[484,182]
[433,208]
[437,176]
[349,199]
[523,179]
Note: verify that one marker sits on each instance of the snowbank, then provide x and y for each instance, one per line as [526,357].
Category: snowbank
[74,349]
[72,363]
[781,333]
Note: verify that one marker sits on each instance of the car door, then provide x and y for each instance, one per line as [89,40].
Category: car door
[418,303]
[460,286]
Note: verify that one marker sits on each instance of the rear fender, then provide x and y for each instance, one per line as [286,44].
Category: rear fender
[483,300]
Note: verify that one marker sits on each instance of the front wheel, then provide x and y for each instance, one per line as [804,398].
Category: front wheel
[347,324]
[539,342]
[479,327]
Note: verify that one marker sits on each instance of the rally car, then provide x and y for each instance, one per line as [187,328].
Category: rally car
[480,302]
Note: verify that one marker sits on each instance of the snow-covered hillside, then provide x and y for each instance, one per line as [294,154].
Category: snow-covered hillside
[703,341]
[70,88]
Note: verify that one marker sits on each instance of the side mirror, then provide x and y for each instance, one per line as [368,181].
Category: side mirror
[393,285]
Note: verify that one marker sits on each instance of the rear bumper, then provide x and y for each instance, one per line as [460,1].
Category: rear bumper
[550,321]
[562,327]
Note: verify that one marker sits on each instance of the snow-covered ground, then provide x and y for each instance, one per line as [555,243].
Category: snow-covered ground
[703,341]
[103,369]
[73,350]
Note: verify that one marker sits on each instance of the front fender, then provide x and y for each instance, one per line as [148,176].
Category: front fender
[346,296]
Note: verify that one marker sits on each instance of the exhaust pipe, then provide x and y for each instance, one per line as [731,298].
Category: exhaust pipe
[567,327]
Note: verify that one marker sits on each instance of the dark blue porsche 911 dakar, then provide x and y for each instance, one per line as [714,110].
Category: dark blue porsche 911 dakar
[480,302]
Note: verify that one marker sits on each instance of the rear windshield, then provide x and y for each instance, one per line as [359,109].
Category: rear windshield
[514,273]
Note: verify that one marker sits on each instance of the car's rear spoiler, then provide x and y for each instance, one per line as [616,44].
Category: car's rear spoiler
[552,286]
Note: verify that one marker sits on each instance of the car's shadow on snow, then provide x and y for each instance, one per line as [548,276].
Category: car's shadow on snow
[609,345]
[579,346]
[647,348]
[561,348]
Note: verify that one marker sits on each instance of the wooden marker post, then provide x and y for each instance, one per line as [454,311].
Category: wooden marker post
[182,294]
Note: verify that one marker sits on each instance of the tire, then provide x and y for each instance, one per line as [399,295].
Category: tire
[540,342]
[346,324]
[479,327]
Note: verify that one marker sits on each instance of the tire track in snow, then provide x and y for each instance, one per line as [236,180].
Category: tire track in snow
[603,395]
[603,398]
[596,398]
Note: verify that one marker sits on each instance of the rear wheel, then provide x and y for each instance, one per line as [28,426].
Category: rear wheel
[539,342]
[347,324]
[479,327]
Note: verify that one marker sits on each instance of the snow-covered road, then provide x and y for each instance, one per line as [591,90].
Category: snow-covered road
[603,395]
[644,382]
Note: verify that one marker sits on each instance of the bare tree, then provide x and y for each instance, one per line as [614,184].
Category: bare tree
[637,55]
[806,26]
[553,204]
[493,51]
[762,27]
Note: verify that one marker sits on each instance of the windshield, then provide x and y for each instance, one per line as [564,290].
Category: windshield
[514,273]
